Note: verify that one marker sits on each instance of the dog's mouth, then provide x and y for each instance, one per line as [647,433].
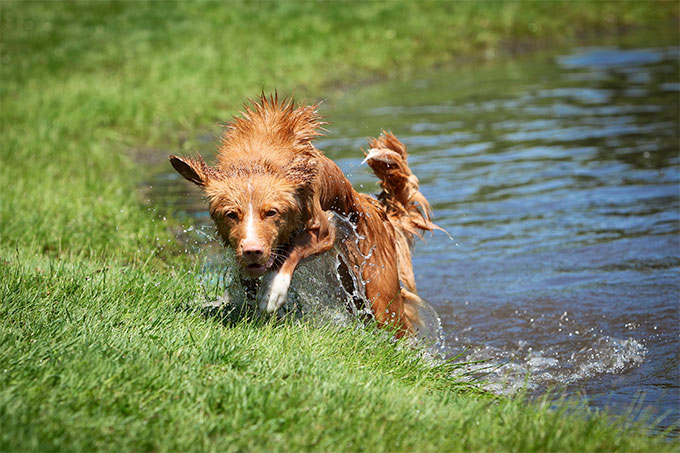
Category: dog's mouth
[254,270]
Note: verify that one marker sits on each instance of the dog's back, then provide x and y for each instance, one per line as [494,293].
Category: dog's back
[389,224]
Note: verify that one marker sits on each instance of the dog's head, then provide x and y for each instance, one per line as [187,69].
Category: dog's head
[261,192]
[257,208]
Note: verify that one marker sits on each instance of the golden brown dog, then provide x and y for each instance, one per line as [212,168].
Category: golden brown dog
[270,193]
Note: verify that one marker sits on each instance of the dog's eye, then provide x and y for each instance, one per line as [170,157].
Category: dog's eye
[271,213]
[232,215]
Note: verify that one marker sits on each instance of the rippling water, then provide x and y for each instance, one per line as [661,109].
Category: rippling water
[558,179]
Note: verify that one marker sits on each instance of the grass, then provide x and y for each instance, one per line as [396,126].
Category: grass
[104,358]
[97,350]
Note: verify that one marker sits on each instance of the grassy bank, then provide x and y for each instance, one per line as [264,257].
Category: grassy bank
[101,358]
[97,351]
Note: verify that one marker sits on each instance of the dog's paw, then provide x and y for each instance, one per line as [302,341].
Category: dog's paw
[273,291]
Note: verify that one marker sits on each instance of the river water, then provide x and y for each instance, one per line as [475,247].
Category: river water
[558,179]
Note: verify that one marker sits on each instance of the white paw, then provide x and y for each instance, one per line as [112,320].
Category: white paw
[273,291]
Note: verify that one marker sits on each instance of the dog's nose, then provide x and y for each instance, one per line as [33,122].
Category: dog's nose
[252,250]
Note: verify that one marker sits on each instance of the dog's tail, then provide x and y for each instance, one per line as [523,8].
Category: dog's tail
[401,196]
[407,208]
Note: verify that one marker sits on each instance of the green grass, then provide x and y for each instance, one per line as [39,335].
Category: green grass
[97,352]
[106,358]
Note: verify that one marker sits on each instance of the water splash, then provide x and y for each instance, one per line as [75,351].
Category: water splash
[324,289]
[524,369]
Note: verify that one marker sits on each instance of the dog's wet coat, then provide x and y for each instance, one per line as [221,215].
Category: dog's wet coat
[270,192]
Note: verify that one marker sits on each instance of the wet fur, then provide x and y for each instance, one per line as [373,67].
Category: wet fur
[270,192]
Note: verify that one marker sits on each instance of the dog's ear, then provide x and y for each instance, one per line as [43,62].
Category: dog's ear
[302,171]
[195,170]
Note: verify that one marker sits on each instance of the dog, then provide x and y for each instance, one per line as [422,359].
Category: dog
[270,194]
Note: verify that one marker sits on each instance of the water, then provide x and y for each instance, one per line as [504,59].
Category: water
[558,178]
[318,291]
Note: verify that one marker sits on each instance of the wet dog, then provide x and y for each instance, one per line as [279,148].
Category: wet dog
[270,193]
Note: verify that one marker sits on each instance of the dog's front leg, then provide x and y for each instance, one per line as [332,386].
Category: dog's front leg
[275,284]
[274,290]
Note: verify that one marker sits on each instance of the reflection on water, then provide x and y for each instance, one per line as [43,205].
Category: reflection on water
[559,181]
